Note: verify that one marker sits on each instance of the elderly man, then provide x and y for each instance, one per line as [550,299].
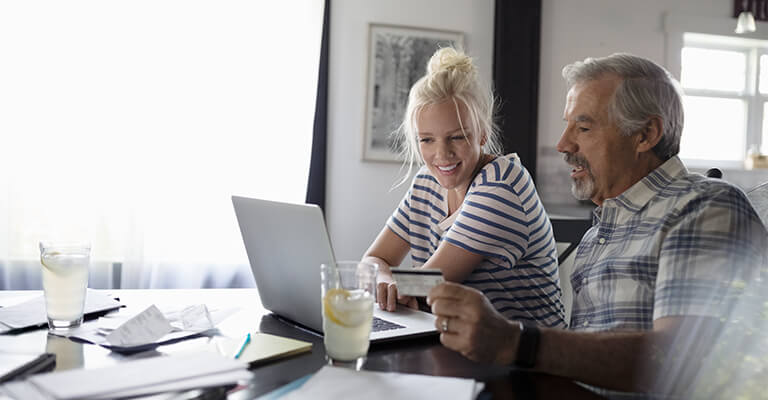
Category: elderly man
[660,260]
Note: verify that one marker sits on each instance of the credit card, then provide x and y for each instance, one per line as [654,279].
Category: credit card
[416,281]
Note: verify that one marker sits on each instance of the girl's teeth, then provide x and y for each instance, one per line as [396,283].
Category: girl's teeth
[447,168]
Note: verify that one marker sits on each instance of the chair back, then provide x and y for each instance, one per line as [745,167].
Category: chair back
[758,196]
[570,231]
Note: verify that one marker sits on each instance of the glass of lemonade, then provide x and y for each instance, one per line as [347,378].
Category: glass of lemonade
[65,278]
[349,291]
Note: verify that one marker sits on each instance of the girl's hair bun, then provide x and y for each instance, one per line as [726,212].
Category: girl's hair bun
[449,59]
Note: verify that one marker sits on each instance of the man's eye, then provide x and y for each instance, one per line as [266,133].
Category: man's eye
[583,129]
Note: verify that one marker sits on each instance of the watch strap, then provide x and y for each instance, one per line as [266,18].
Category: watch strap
[528,345]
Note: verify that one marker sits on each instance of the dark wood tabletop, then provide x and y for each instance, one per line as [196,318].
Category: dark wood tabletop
[423,355]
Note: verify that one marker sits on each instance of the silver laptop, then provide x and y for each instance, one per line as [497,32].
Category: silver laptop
[286,243]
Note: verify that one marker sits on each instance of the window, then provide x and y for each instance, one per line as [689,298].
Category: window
[724,98]
[724,77]
[132,123]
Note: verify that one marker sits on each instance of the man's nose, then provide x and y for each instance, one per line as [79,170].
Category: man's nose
[565,144]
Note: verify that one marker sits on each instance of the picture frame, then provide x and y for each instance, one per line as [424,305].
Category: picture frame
[397,58]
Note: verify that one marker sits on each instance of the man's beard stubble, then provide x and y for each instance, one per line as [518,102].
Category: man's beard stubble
[582,189]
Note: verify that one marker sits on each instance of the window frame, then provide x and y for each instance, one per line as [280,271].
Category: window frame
[717,34]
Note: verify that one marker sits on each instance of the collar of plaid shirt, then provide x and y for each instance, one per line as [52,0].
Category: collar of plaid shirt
[639,194]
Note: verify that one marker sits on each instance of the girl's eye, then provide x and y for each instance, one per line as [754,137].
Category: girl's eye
[424,140]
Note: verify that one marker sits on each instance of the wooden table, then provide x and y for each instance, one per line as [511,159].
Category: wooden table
[422,355]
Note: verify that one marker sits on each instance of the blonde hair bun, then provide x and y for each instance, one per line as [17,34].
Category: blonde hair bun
[450,60]
[451,76]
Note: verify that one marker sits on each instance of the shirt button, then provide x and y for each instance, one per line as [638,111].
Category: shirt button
[586,323]
[601,240]
[584,282]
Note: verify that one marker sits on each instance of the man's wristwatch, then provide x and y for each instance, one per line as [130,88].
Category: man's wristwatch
[528,345]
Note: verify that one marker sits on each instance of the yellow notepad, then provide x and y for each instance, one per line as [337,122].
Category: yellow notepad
[264,347]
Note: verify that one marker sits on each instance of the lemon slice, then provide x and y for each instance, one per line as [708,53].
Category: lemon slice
[348,308]
[334,296]
[52,263]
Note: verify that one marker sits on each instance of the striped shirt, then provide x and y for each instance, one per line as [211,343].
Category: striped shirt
[502,219]
[673,244]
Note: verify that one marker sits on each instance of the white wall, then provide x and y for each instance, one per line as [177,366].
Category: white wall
[358,197]
[573,30]
[359,200]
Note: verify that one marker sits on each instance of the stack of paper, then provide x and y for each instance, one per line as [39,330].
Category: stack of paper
[32,313]
[132,378]
[341,383]
[150,328]
[16,365]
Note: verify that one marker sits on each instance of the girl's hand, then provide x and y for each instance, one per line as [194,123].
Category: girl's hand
[386,296]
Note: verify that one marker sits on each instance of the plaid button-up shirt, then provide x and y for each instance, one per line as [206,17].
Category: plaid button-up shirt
[673,244]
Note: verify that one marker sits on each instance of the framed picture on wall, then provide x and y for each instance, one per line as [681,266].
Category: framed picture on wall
[397,58]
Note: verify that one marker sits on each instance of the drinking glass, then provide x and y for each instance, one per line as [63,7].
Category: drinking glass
[65,279]
[349,291]
[69,354]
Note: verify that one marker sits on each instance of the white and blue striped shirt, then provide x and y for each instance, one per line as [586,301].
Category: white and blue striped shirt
[502,219]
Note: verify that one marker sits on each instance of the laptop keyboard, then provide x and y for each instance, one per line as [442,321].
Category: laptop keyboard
[380,325]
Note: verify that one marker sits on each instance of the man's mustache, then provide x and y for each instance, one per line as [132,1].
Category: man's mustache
[577,160]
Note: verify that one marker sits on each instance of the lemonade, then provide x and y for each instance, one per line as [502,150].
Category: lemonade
[347,321]
[65,278]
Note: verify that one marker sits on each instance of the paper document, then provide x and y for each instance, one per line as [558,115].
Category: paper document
[335,383]
[32,313]
[150,328]
[147,327]
[192,318]
[17,365]
[133,378]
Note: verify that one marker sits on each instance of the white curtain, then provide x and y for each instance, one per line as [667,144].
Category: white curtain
[131,123]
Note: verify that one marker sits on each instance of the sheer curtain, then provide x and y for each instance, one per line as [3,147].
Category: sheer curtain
[131,124]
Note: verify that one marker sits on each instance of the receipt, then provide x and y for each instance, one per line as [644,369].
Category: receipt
[193,318]
[146,327]
[152,327]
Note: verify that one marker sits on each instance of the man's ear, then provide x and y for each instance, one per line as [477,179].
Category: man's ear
[650,135]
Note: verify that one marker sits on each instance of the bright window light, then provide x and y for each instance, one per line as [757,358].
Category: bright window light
[132,123]
[710,69]
[764,74]
[764,147]
[714,129]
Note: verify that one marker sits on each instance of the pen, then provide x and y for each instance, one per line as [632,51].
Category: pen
[242,346]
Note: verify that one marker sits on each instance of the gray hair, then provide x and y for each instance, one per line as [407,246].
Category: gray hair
[451,76]
[646,90]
